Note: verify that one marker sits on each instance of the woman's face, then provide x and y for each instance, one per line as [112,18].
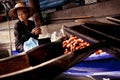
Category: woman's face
[22,14]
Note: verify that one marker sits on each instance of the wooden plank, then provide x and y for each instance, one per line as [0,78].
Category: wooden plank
[113,19]
[71,18]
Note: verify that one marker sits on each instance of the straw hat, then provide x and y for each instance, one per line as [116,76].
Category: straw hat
[13,11]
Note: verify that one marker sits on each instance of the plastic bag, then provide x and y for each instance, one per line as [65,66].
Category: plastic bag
[56,35]
[29,44]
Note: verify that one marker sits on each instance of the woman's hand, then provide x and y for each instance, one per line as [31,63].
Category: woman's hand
[36,31]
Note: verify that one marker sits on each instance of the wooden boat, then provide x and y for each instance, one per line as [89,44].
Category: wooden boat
[47,61]
[97,67]
[38,63]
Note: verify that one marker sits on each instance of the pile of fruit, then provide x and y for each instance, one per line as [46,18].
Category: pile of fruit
[74,43]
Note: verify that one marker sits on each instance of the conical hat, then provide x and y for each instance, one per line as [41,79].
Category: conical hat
[13,11]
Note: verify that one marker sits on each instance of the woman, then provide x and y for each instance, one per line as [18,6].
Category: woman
[24,28]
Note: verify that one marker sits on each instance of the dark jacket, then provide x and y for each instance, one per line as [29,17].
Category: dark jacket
[23,33]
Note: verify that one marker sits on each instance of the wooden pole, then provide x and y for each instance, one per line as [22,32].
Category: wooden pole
[37,16]
[8,23]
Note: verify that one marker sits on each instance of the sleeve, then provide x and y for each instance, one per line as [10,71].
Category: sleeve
[18,41]
[31,26]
